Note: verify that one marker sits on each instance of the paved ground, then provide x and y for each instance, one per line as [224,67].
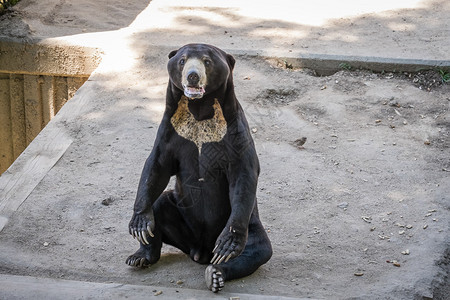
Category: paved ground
[371,184]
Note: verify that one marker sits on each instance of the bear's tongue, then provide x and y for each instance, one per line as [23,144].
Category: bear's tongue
[194,92]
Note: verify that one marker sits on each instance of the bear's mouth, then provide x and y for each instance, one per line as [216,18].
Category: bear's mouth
[194,92]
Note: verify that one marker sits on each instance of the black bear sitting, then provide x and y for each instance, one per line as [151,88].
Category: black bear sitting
[204,140]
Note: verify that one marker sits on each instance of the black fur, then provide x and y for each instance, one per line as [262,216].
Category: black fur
[214,204]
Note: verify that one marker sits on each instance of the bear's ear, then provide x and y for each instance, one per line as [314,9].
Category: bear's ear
[173,53]
[231,61]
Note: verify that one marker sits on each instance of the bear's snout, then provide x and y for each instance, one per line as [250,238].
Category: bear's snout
[194,78]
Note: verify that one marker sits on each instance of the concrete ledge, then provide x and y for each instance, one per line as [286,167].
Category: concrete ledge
[47,58]
[325,64]
[26,287]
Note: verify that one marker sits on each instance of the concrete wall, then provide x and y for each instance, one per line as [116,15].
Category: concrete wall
[35,82]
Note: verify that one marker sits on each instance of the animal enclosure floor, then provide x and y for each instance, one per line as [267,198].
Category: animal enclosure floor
[361,209]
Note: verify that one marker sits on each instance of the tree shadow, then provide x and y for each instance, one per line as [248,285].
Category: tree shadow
[409,33]
[57,18]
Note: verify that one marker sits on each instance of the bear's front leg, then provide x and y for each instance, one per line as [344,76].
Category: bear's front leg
[230,244]
[154,179]
[243,179]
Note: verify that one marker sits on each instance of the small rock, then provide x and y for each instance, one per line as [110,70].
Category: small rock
[46,244]
[300,142]
[425,226]
[367,219]
[409,226]
[158,293]
[180,282]
[107,201]
[254,129]
[359,274]
[384,237]
[406,252]
[343,205]
[394,103]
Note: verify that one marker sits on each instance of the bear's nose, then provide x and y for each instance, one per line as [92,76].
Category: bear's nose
[193,78]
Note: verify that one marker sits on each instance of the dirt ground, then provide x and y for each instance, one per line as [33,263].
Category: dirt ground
[361,210]
[370,183]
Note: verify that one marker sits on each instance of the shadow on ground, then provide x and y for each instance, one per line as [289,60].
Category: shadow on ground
[369,184]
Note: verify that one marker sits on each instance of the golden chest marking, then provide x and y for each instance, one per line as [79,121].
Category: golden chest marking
[199,132]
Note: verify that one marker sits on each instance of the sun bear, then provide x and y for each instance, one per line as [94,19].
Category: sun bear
[204,140]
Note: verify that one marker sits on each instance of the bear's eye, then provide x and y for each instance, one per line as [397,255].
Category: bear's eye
[207,62]
[182,61]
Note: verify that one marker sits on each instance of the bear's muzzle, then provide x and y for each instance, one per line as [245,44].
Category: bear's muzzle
[194,78]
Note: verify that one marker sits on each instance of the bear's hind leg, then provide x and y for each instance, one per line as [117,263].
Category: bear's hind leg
[170,228]
[257,252]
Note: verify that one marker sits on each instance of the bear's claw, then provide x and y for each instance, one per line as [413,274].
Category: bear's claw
[140,227]
[217,259]
[137,261]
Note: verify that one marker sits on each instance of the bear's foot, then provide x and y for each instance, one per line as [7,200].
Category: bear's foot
[214,279]
[139,259]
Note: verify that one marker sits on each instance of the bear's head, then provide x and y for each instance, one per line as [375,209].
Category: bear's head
[199,69]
